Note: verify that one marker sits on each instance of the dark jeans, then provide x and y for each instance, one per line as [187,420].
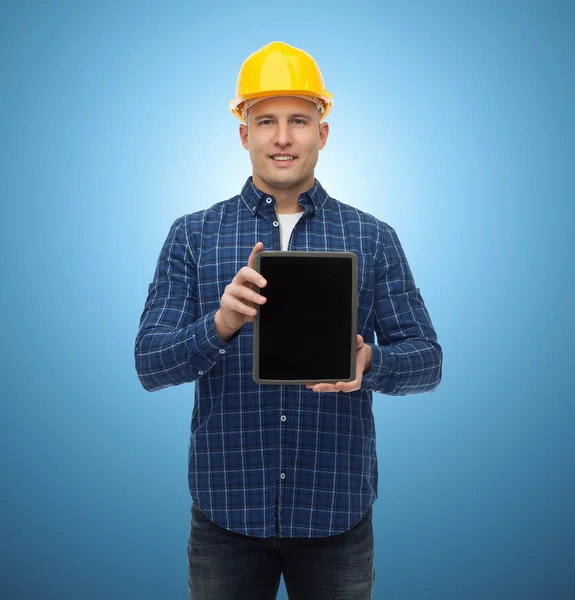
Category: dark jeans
[224,565]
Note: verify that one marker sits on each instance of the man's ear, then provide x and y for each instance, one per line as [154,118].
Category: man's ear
[244,135]
[323,133]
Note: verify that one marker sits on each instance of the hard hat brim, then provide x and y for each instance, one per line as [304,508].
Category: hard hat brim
[236,104]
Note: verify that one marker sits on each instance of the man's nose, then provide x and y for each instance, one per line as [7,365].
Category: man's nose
[283,134]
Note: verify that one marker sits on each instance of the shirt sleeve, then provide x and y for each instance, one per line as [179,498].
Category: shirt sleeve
[407,358]
[173,345]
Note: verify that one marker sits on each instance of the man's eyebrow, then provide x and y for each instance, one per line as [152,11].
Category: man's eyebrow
[294,116]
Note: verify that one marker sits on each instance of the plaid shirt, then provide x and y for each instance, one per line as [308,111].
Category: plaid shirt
[280,460]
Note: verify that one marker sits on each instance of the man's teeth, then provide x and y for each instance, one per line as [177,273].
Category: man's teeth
[282,157]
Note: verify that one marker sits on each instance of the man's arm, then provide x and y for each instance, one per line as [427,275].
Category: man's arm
[407,358]
[173,346]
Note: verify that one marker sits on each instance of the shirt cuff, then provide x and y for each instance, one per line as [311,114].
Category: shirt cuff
[381,367]
[206,346]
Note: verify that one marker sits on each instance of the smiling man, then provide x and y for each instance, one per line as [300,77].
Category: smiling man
[284,139]
[282,478]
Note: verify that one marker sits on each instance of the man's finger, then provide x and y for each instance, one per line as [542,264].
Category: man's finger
[248,275]
[341,386]
[257,248]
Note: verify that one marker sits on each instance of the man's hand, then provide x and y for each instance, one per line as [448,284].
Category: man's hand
[362,362]
[239,300]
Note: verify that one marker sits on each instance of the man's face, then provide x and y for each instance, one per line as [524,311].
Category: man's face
[289,127]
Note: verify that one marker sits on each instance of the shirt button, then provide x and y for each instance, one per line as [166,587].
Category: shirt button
[276,223]
[284,417]
[200,372]
[283,475]
[268,200]
[222,351]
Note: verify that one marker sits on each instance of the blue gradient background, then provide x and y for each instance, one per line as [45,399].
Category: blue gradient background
[453,122]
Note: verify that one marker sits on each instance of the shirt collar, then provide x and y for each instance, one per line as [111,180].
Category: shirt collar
[312,200]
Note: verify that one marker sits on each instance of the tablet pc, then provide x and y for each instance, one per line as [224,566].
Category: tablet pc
[306,331]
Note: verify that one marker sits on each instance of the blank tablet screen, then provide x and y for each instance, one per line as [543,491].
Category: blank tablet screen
[306,331]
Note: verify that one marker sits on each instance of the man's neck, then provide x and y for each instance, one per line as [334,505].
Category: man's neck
[286,200]
[289,209]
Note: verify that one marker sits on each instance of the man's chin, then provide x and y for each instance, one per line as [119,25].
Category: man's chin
[285,185]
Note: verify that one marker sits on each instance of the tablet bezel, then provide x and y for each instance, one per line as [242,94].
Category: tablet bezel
[353,333]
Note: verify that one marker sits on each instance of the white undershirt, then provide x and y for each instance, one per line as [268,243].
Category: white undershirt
[287,223]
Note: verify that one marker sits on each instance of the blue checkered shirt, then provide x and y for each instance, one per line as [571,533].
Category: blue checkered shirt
[280,460]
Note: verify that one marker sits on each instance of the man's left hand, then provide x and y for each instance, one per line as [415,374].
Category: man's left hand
[362,362]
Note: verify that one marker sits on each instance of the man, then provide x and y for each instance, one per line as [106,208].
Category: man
[282,477]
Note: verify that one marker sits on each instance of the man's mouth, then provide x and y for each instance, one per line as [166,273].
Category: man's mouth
[283,158]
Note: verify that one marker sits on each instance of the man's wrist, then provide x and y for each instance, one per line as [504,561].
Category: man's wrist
[224,332]
[368,360]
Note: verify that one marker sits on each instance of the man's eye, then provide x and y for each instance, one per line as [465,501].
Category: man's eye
[267,122]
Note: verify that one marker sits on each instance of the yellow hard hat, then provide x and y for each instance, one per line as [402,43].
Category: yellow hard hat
[279,69]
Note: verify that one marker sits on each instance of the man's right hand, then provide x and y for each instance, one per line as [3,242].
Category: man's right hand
[237,305]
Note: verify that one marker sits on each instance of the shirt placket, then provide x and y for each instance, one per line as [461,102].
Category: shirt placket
[270,215]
